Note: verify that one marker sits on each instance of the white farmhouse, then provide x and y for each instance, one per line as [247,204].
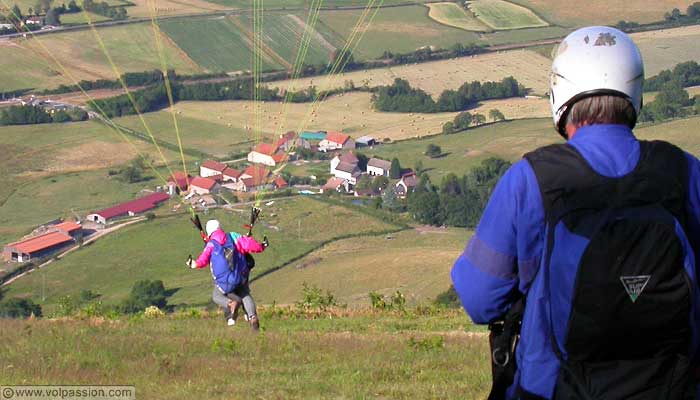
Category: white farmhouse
[211,168]
[345,167]
[336,141]
[378,167]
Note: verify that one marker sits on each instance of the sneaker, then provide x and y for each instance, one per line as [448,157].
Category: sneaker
[231,322]
[246,317]
[254,323]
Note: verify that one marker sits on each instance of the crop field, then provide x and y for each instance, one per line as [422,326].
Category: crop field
[80,18]
[215,43]
[415,262]
[528,67]
[452,14]
[144,8]
[354,354]
[25,63]
[304,4]
[602,12]
[283,34]
[400,30]
[665,48]
[161,247]
[501,15]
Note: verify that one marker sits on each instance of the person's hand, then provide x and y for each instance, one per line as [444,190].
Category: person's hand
[265,242]
[191,263]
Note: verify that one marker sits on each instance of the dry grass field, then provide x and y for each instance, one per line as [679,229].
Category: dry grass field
[143,8]
[602,12]
[503,15]
[25,63]
[528,67]
[205,125]
[452,14]
[415,262]
[665,48]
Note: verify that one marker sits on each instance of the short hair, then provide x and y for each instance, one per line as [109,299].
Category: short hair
[602,109]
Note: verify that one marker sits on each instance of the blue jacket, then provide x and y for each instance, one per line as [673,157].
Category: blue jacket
[226,279]
[505,253]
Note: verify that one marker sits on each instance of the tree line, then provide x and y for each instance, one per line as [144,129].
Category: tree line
[672,101]
[670,19]
[104,9]
[29,114]
[401,97]
[685,74]
[457,201]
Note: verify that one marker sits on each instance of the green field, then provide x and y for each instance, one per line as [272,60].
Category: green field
[452,14]
[304,4]
[400,30]
[25,63]
[80,18]
[214,43]
[410,261]
[500,14]
[358,355]
[158,249]
[53,168]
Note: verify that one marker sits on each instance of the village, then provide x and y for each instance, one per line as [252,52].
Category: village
[217,182]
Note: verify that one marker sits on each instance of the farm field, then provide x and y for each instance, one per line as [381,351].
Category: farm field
[24,5]
[56,167]
[304,4]
[80,18]
[283,34]
[160,248]
[665,48]
[502,15]
[356,354]
[602,12]
[400,30]
[528,67]
[416,262]
[452,14]
[144,8]
[214,43]
[352,113]
[25,63]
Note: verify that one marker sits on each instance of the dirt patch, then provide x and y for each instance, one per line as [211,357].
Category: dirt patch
[309,263]
[430,229]
[473,153]
[91,156]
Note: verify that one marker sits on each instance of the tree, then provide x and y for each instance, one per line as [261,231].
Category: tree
[73,7]
[395,171]
[433,150]
[424,207]
[16,15]
[496,115]
[448,128]
[45,5]
[19,308]
[133,173]
[362,161]
[379,183]
[693,10]
[53,17]
[419,167]
[479,119]
[463,120]
[390,202]
[144,294]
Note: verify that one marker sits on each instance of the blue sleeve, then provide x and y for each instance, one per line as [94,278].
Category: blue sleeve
[504,253]
[694,205]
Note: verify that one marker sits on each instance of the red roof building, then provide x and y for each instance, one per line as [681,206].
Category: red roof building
[279,182]
[37,246]
[180,180]
[256,172]
[67,227]
[130,208]
[231,174]
[201,185]
[266,148]
[337,137]
[211,168]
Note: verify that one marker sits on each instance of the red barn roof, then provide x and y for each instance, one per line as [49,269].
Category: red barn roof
[180,179]
[233,173]
[280,182]
[134,206]
[214,165]
[256,171]
[41,242]
[337,137]
[265,148]
[67,226]
[203,183]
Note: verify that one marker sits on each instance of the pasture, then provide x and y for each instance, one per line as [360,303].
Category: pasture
[25,63]
[51,168]
[665,48]
[602,12]
[144,8]
[416,262]
[159,248]
[503,15]
[452,14]
[214,43]
[528,67]
[400,30]
[346,354]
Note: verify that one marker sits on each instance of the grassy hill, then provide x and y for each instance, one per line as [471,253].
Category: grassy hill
[353,355]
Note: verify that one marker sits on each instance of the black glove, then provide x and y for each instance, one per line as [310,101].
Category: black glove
[265,242]
[190,262]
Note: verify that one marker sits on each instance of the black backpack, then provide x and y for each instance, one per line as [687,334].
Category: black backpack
[627,334]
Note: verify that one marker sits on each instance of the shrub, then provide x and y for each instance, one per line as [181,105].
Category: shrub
[153,312]
[314,298]
[144,294]
[427,344]
[448,298]
[19,308]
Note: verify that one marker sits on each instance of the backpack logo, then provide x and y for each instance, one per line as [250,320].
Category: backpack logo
[634,285]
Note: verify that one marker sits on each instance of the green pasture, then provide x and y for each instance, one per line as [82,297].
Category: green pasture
[500,14]
[158,250]
[358,355]
[453,14]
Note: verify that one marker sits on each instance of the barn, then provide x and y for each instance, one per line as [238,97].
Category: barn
[129,208]
[36,247]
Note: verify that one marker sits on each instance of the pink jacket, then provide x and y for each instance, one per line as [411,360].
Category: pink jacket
[244,245]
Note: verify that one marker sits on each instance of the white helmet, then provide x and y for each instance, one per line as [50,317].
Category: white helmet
[593,61]
[212,225]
